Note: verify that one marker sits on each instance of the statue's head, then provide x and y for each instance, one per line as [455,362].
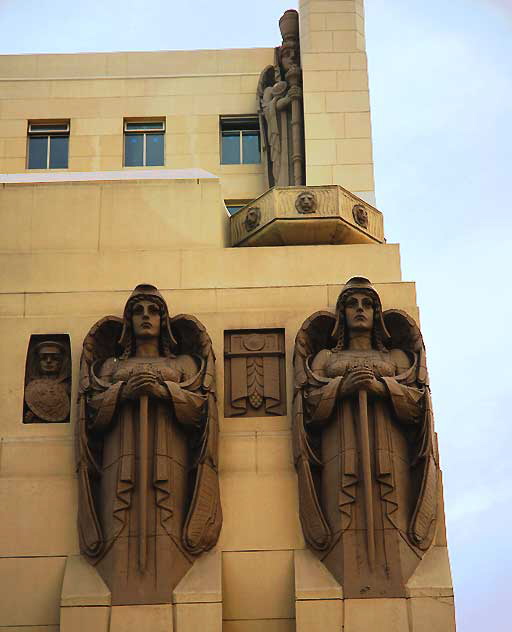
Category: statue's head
[289,50]
[146,316]
[289,55]
[50,358]
[358,308]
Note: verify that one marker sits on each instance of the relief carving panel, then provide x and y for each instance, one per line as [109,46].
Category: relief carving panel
[254,373]
[47,379]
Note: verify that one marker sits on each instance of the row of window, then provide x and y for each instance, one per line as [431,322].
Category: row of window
[48,143]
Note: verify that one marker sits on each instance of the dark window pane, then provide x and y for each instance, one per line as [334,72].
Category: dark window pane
[59,152]
[251,148]
[133,150]
[37,148]
[154,150]
[233,123]
[149,126]
[230,148]
[233,209]
[48,127]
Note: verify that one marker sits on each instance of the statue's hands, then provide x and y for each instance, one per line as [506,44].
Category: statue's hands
[361,379]
[295,92]
[144,383]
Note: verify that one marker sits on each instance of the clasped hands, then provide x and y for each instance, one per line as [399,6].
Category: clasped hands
[362,379]
[144,382]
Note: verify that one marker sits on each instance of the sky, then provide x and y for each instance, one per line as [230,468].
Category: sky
[441,99]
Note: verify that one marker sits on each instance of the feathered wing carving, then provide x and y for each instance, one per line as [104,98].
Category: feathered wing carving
[99,344]
[406,335]
[204,519]
[313,336]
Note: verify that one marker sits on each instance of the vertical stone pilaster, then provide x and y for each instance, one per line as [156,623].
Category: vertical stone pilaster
[336,99]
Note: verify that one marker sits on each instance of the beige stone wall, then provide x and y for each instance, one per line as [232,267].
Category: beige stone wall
[97,91]
[48,292]
[336,98]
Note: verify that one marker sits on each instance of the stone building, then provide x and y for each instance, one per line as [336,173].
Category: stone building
[125,168]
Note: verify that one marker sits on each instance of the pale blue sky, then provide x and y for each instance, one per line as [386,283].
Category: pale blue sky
[441,96]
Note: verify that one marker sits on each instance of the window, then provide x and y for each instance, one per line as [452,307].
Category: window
[240,140]
[234,206]
[144,143]
[48,145]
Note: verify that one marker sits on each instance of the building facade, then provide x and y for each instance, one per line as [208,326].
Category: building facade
[125,168]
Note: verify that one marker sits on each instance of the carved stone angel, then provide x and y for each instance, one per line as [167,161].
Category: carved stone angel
[279,96]
[364,443]
[147,443]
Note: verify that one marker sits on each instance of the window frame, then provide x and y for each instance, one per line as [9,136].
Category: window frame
[239,202]
[145,132]
[52,131]
[233,118]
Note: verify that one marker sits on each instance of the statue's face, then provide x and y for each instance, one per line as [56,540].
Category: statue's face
[288,57]
[146,319]
[50,360]
[359,312]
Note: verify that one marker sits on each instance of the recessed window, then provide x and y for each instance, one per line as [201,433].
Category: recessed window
[48,145]
[240,140]
[234,206]
[144,143]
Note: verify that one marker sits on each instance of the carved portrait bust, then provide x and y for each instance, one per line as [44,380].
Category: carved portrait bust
[47,383]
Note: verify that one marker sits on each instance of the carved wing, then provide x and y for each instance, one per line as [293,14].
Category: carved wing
[406,335]
[204,519]
[313,336]
[99,344]
[267,78]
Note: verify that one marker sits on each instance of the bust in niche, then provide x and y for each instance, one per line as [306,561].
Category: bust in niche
[47,387]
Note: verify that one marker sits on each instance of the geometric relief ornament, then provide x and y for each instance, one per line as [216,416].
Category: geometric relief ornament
[254,373]
[47,379]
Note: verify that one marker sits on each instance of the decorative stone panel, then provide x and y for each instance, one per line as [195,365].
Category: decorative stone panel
[254,373]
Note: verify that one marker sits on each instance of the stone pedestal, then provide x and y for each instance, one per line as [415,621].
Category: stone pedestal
[318,596]
[198,597]
[85,599]
[197,602]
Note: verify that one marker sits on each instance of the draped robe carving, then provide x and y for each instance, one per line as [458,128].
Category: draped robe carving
[329,451]
[183,515]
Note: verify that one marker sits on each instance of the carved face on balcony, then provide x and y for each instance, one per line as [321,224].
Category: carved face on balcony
[360,215]
[306,202]
[252,219]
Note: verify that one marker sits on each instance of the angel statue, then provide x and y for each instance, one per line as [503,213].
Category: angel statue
[279,96]
[147,448]
[364,443]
